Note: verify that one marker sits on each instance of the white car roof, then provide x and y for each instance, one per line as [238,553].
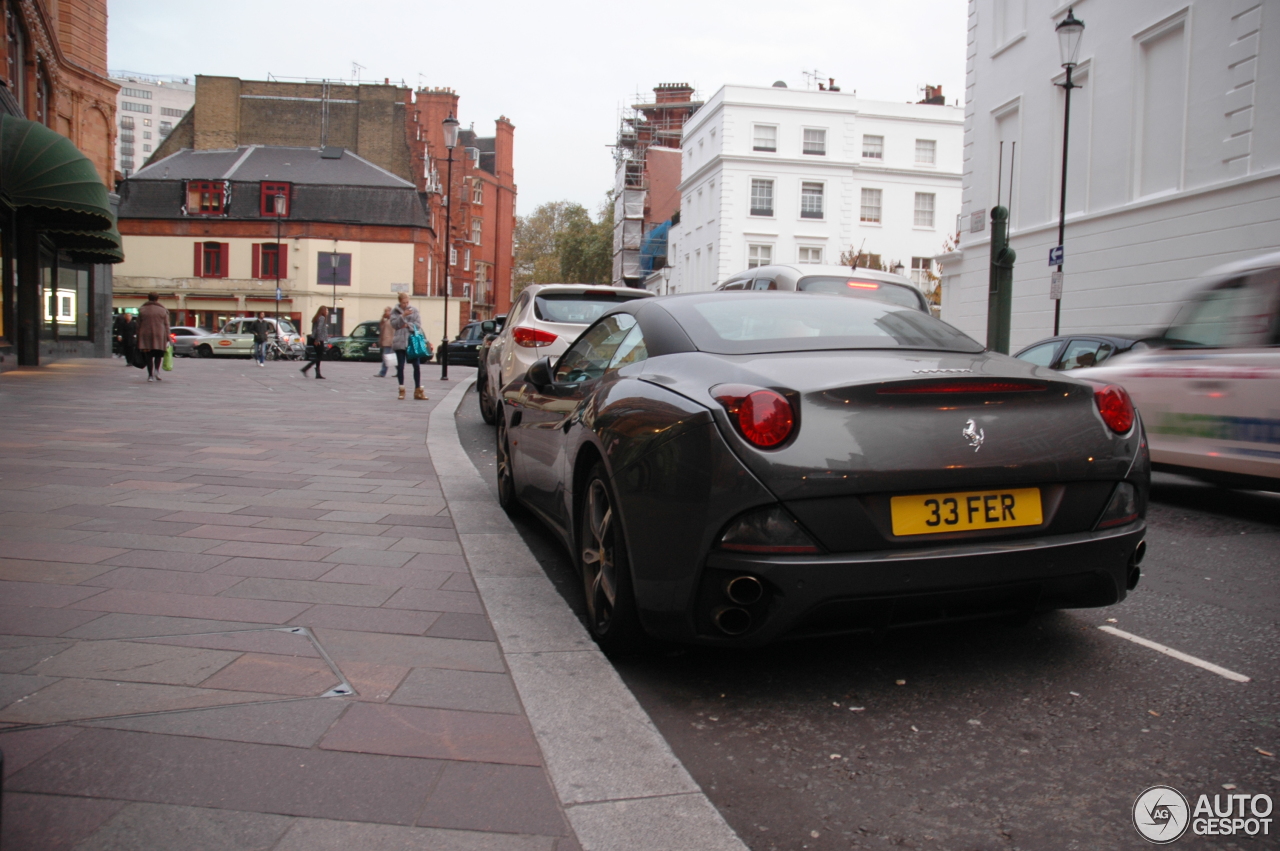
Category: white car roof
[625,292]
[804,269]
[1262,261]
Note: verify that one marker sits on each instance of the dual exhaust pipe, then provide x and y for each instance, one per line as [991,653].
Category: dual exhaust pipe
[1135,572]
[743,591]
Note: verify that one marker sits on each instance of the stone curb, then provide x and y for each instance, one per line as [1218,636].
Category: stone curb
[621,785]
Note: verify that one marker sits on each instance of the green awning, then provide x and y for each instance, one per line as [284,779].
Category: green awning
[90,246]
[43,172]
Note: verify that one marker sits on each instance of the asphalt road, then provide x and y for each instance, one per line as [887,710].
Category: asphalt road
[990,736]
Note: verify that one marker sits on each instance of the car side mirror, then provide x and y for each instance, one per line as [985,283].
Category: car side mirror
[539,375]
[488,327]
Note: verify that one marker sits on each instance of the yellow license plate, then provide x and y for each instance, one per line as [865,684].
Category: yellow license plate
[932,513]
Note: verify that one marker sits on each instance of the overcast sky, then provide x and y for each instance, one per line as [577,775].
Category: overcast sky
[559,69]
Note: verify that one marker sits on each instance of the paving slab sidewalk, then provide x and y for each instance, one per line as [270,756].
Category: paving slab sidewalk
[236,613]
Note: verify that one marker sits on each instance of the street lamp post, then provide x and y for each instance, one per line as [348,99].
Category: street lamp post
[450,141]
[279,208]
[1069,32]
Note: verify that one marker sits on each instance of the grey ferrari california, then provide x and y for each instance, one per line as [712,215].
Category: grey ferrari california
[735,469]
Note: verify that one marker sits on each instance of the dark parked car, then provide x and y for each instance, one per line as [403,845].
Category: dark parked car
[360,344]
[735,470]
[465,348]
[1076,351]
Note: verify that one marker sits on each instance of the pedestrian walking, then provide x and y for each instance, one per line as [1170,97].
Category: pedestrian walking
[386,343]
[153,334]
[407,323]
[261,331]
[129,342]
[118,324]
[319,336]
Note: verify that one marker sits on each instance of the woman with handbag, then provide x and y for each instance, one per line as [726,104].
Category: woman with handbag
[319,337]
[410,344]
[153,334]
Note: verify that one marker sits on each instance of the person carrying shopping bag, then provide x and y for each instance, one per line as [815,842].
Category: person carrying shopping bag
[386,343]
[319,337]
[410,344]
[153,334]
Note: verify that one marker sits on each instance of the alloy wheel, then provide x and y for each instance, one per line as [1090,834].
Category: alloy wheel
[600,575]
[506,479]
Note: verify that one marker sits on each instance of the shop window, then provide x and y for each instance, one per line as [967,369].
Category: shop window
[212,259]
[270,260]
[206,198]
[69,303]
[269,191]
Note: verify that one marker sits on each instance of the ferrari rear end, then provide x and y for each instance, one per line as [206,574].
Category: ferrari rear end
[905,487]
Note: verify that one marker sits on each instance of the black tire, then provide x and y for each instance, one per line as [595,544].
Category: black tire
[333,353]
[488,409]
[602,560]
[506,478]
[205,351]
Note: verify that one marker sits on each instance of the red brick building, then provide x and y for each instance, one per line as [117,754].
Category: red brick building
[57,234]
[484,205]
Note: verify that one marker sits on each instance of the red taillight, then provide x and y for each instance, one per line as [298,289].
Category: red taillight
[531,338]
[1116,408]
[763,416]
[863,285]
[961,386]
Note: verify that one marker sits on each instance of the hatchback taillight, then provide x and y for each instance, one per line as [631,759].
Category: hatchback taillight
[532,338]
[764,417]
[1116,408]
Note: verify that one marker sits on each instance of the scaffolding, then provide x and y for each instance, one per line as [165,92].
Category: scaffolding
[659,123]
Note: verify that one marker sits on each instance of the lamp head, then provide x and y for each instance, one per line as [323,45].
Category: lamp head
[899,269]
[279,201]
[451,126]
[1070,29]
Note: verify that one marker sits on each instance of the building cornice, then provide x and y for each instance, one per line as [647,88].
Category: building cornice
[858,113]
[814,164]
[1172,197]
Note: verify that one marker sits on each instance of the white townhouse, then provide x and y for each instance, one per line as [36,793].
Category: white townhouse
[778,175]
[1173,163]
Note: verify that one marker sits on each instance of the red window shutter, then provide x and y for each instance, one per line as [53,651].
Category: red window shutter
[224,252]
[257,260]
[283,268]
[199,260]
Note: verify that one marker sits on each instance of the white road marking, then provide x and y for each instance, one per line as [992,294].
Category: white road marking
[1176,654]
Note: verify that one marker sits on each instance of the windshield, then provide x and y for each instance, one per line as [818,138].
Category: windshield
[861,288]
[286,327]
[751,324]
[576,308]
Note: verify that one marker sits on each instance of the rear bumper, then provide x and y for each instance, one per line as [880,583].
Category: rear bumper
[874,591]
